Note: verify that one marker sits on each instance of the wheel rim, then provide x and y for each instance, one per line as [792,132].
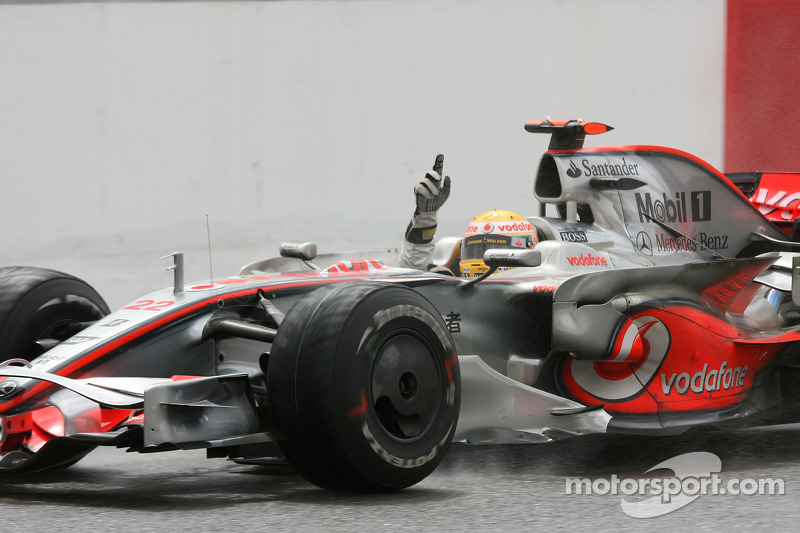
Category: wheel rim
[52,334]
[406,387]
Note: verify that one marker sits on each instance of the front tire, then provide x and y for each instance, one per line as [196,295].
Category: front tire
[37,308]
[363,387]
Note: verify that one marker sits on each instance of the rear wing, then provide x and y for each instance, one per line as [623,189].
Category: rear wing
[775,194]
[566,134]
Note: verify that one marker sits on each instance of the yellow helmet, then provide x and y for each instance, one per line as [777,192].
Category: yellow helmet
[493,229]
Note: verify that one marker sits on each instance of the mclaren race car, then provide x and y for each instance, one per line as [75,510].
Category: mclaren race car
[658,298]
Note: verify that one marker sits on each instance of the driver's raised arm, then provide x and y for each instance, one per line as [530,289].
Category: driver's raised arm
[430,194]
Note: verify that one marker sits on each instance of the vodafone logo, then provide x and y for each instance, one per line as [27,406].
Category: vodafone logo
[501,228]
[515,227]
[637,354]
[779,200]
[544,288]
[354,267]
[587,260]
[705,380]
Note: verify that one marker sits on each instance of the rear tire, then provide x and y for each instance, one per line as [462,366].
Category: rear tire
[363,387]
[37,308]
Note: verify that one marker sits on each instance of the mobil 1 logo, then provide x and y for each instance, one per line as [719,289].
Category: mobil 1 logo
[682,207]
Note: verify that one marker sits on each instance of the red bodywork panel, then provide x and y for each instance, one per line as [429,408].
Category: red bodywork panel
[778,198]
[649,370]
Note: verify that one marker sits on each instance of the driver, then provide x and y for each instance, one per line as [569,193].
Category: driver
[492,229]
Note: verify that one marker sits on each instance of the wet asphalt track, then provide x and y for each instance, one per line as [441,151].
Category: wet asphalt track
[509,488]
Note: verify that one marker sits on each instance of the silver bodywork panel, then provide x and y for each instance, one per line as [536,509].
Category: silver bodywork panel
[495,409]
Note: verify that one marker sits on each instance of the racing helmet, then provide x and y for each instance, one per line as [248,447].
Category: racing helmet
[493,229]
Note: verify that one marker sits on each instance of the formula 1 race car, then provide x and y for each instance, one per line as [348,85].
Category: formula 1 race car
[658,298]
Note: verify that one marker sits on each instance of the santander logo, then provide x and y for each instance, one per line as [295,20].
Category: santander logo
[573,171]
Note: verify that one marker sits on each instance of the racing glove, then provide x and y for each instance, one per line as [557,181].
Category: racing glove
[431,193]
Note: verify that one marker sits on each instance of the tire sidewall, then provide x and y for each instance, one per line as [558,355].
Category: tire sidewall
[378,318]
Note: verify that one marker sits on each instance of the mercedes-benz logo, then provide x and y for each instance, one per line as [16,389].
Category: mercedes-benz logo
[644,244]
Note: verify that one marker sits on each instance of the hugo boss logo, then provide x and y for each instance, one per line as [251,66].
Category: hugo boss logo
[572,235]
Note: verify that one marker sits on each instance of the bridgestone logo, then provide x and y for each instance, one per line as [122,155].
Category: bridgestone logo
[393,459]
[412,311]
[677,209]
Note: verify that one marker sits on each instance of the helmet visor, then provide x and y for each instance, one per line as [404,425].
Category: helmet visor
[474,246]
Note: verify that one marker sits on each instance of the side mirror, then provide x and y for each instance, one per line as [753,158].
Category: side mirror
[305,251]
[503,257]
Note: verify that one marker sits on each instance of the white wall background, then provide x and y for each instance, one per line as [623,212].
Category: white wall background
[123,124]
